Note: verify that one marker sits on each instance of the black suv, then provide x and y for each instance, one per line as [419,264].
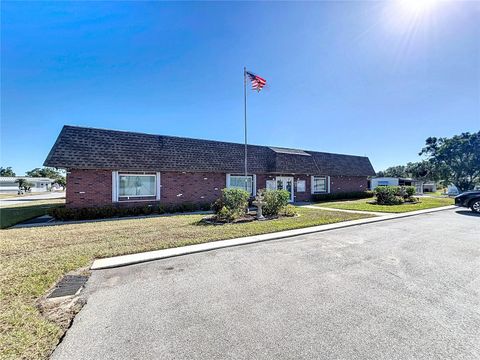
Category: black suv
[469,199]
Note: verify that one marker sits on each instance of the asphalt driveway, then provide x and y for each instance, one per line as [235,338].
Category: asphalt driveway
[399,289]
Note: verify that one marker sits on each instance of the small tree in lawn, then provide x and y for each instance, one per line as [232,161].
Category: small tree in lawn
[24,185]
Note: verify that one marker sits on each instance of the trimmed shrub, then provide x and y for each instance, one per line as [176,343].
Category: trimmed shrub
[231,205]
[275,201]
[66,214]
[386,195]
[411,191]
[394,195]
[350,195]
[289,210]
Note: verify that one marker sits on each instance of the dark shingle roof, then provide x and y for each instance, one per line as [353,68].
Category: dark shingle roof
[88,148]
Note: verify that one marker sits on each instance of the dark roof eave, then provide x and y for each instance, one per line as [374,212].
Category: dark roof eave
[88,148]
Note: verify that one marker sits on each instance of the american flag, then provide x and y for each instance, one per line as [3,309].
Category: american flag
[257,82]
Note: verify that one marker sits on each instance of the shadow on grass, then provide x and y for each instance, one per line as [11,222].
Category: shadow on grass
[10,216]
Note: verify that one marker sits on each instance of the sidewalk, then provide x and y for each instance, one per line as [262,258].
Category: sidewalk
[344,210]
[17,200]
[191,249]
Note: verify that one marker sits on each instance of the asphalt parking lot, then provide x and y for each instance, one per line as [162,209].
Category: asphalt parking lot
[399,289]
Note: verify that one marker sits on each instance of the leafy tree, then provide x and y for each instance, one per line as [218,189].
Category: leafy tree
[394,171]
[423,170]
[45,172]
[457,159]
[6,171]
[62,182]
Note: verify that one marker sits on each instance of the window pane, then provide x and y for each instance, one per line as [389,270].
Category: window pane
[300,185]
[133,185]
[270,185]
[289,186]
[319,184]
[279,185]
[238,182]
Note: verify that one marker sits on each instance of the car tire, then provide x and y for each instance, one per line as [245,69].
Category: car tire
[475,206]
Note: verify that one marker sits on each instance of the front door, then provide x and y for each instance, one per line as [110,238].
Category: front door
[285,183]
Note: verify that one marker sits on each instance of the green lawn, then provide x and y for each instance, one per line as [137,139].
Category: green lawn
[33,259]
[8,196]
[13,214]
[364,205]
[436,193]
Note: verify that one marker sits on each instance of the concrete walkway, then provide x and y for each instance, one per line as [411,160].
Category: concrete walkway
[17,200]
[344,210]
[191,249]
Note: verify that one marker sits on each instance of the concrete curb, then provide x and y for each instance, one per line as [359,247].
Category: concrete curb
[53,222]
[131,259]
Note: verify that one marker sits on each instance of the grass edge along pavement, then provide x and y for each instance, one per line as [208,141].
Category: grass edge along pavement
[13,214]
[365,205]
[34,259]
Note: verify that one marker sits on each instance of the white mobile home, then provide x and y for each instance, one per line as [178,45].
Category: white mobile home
[394,181]
[8,184]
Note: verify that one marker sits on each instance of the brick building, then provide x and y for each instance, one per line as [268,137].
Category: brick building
[106,167]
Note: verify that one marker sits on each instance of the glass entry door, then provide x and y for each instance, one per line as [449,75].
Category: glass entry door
[285,183]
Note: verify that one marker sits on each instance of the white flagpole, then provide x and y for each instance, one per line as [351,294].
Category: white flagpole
[245,113]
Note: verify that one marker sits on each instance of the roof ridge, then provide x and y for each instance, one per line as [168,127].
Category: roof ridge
[83,147]
[199,139]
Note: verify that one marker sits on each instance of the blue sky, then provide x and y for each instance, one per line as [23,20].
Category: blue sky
[368,78]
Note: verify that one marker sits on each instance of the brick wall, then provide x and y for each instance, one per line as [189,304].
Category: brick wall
[348,183]
[93,188]
[178,187]
[90,188]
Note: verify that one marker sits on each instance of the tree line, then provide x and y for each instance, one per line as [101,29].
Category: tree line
[454,160]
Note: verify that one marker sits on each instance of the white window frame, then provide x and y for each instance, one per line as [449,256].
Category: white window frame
[254,182]
[284,180]
[327,184]
[116,187]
